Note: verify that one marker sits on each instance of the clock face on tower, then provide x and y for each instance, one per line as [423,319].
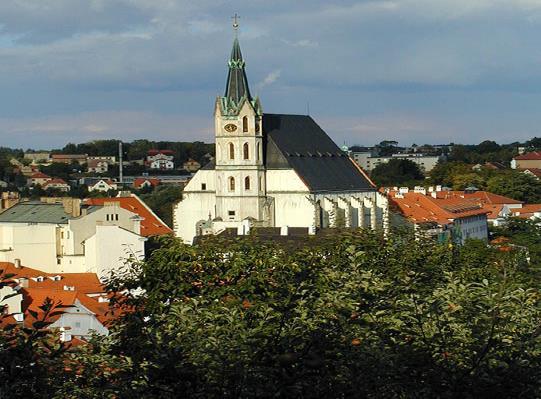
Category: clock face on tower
[230,127]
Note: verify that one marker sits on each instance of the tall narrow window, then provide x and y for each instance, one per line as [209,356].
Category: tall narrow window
[245,124]
[257,151]
[231,151]
[247,183]
[231,184]
[246,151]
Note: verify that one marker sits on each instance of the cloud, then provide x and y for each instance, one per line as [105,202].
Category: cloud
[269,79]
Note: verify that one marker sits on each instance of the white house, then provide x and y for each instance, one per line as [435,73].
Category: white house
[103,185]
[161,159]
[273,170]
[70,238]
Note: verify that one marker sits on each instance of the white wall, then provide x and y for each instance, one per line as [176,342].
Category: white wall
[473,227]
[80,320]
[110,248]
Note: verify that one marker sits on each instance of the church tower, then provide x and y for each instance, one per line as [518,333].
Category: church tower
[240,172]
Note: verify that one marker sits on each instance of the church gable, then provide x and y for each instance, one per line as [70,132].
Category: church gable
[297,142]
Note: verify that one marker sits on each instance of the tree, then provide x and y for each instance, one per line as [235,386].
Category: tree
[351,316]
[516,185]
[162,200]
[396,172]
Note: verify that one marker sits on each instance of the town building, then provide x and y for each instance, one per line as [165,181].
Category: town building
[62,236]
[111,160]
[150,223]
[527,161]
[103,185]
[191,165]
[368,161]
[97,166]
[86,300]
[451,219]
[38,179]
[273,170]
[8,199]
[38,157]
[533,172]
[69,158]
[160,159]
[142,182]
[57,184]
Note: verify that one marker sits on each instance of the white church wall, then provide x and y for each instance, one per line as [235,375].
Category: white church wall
[196,205]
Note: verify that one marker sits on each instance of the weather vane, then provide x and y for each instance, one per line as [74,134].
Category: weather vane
[235,19]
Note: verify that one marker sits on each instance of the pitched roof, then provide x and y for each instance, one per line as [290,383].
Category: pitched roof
[86,283]
[422,208]
[141,180]
[297,141]
[530,156]
[533,171]
[151,224]
[484,197]
[35,212]
[39,175]
[527,210]
[55,181]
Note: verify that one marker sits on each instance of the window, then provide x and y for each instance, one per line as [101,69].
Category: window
[231,213]
[246,151]
[245,124]
[203,186]
[231,151]
[107,217]
[116,217]
[231,184]
[247,183]
[257,151]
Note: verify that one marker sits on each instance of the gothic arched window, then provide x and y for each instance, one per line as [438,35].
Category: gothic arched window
[257,151]
[247,183]
[246,151]
[231,151]
[231,183]
[245,124]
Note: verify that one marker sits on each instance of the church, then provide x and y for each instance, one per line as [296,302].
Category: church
[273,171]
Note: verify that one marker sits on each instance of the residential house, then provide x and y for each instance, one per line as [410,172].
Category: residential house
[161,159]
[449,219]
[69,158]
[86,298]
[534,172]
[528,211]
[191,165]
[104,185]
[111,160]
[368,161]
[97,166]
[142,182]
[150,223]
[38,157]
[57,184]
[527,161]
[38,179]
[60,235]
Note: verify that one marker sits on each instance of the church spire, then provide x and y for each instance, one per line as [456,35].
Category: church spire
[236,88]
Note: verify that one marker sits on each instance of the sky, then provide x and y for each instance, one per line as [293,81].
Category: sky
[414,71]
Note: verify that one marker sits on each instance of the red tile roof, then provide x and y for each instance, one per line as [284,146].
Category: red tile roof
[151,225]
[138,182]
[484,197]
[422,208]
[39,175]
[534,171]
[530,156]
[526,211]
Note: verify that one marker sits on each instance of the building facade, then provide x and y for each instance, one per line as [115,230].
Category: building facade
[273,170]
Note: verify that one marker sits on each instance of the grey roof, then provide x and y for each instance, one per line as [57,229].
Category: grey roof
[297,141]
[34,212]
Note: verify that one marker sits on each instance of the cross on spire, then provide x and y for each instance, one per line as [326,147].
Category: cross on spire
[235,19]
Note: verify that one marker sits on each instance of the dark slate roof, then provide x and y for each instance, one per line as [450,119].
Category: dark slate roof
[297,141]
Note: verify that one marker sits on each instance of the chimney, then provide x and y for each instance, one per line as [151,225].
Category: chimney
[17,263]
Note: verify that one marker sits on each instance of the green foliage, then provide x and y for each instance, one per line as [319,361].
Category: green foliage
[59,170]
[396,172]
[354,315]
[517,185]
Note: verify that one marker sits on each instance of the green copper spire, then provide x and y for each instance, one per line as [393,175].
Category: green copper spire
[236,89]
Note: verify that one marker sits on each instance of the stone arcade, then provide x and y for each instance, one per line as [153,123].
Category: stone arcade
[273,170]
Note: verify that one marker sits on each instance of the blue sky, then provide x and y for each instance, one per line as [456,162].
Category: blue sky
[415,71]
